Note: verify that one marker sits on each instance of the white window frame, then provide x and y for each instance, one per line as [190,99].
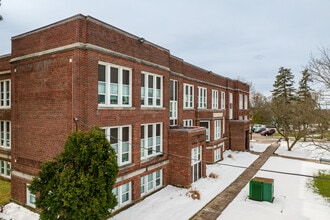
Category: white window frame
[217,154]
[223,126]
[240,103]
[30,197]
[196,158]
[246,102]
[173,102]
[188,123]
[207,130]
[223,100]
[121,148]
[151,182]
[155,95]
[153,145]
[124,91]
[5,169]
[230,105]
[188,96]
[120,193]
[5,94]
[217,129]
[215,99]
[202,97]
[5,134]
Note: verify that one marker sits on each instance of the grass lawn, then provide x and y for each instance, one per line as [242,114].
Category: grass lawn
[322,185]
[4,192]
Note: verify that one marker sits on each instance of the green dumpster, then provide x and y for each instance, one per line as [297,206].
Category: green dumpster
[261,189]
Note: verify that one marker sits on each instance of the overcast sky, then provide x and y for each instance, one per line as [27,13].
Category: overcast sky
[247,40]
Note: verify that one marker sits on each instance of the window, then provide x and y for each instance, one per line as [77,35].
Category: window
[151,90]
[114,85]
[217,155]
[120,140]
[206,124]
[240,104]
[217,129]
[5,134]
[202,94]
[188,123]
[230,105]
[215,99]
[5,168]
[123,194]
[151,140]
[223,100]
[246,101]
[30,198]
[196,168]
[188,96]
[151,182]
[4,93]
[173,103]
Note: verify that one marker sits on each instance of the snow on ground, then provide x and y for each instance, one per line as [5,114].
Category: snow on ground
[15,212]
[294,200]
[174,203]
[303,150]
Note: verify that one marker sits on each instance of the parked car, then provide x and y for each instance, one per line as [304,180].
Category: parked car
[258,128]
[268,132]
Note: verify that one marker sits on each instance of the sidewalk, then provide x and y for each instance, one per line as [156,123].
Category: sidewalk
[216,206]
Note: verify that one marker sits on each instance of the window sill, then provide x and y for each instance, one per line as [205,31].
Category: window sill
[123,167]
[144,160]
[152,108]
[115,108]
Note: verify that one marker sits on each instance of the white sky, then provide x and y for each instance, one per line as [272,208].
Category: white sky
[240,39]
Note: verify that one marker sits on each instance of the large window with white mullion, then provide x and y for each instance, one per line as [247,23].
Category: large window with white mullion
[173,102]
[215,99]
[240,103]
[217,154]
[188,96]
[202,97]
[120,140]
[151,182]
[217,129]
[5,94]
[206,124]
[230,105]
[223,100]
[151,140]
[5,168]
[196,163]
[151,90]
[114,85]
[5,133]
[123,194]
[246,102]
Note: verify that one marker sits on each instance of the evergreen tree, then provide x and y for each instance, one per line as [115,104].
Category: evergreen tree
[78,183]
[283,96]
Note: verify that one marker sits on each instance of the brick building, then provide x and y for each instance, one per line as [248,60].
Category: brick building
[166,118]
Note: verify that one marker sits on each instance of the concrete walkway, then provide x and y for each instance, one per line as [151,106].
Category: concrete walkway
[216,206]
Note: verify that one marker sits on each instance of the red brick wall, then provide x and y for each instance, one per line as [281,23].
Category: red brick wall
[41,106]
[181,141]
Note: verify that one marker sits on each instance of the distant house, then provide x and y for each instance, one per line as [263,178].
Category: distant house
[165,118]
